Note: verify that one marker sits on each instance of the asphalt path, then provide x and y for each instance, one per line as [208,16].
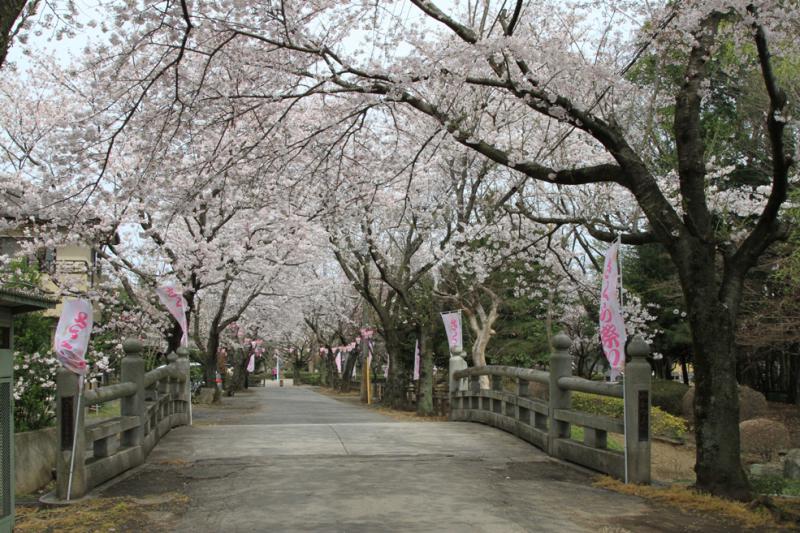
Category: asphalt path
[291,459]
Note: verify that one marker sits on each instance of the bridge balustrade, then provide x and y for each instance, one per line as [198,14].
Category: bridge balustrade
[151,403]
[536,406]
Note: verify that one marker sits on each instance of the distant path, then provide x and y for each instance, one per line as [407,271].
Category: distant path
[290,459]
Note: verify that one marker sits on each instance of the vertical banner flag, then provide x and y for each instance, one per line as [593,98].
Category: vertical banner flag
[612,325]
[251,364]
[452,325]
[416,361]
[172,298]
[71,342]
[339,362]
[72,335]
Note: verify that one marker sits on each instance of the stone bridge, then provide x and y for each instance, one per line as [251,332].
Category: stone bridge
[295,459]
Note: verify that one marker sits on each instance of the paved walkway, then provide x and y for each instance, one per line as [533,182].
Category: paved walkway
[290,459]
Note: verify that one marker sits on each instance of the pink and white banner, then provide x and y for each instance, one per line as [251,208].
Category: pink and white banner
[172,298]
[452,325]
[612,325]
[339,362]
[416,361]
[72,335]
[251,364]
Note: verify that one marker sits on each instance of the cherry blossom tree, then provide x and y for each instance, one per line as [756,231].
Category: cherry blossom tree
[545,91]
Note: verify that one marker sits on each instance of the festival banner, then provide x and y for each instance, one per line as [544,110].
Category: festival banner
[612,324]
[339,362]
[72,335]
[172,298]
[416,361]
[452,325]
[251,364]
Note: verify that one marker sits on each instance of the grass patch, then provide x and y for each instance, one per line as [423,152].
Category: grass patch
[775,486]
[104,410]
[687,499]
[102,514]
[613,442]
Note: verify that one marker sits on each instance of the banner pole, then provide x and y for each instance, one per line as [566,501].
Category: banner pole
[75,437]
[625,355]
[190,391]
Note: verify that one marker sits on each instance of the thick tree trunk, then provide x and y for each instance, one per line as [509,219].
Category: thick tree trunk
[210,359]
[395,393]
[793,395]
[425,392]
[239,371]
[10,11]
[712,316]
[347,372]
[719,469]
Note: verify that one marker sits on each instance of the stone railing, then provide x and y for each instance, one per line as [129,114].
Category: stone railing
[151,403]
[539,409]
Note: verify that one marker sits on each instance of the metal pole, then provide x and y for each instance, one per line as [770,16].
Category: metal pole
[75,436]
[624,351]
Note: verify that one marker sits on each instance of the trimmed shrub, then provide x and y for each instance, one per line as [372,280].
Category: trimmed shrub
[662,423]
[764,437]
[752,404]
[668,395]
[308,378]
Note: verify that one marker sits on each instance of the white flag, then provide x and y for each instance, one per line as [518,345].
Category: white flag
[612,325]
[72,335]
[452,325]
[172,298]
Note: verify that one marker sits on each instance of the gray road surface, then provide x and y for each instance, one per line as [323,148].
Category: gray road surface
[290,459]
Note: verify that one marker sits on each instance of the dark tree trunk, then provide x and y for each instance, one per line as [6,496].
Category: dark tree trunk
[210,362]
[793,395]
[425,390]
[395,393]
[347,373]
[684,370]
[10,11]
[712,307]
[239,364]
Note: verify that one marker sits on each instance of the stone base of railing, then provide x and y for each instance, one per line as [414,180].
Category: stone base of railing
[544,417]
[151,404]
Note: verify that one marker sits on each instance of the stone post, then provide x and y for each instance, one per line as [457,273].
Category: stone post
[457,362]
[183,362]
[560,366]
[67,414]
[132,370]
[173,389]
[637,411]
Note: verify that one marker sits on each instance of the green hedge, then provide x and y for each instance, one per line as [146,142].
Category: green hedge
[307,378]
[662,423]
[668,395]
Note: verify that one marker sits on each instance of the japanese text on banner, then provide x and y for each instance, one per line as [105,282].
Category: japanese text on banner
[172,298]
[612,325]
[452,325]
[72,335]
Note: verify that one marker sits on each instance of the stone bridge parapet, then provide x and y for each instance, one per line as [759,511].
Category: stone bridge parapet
[151,403]
[536,406]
